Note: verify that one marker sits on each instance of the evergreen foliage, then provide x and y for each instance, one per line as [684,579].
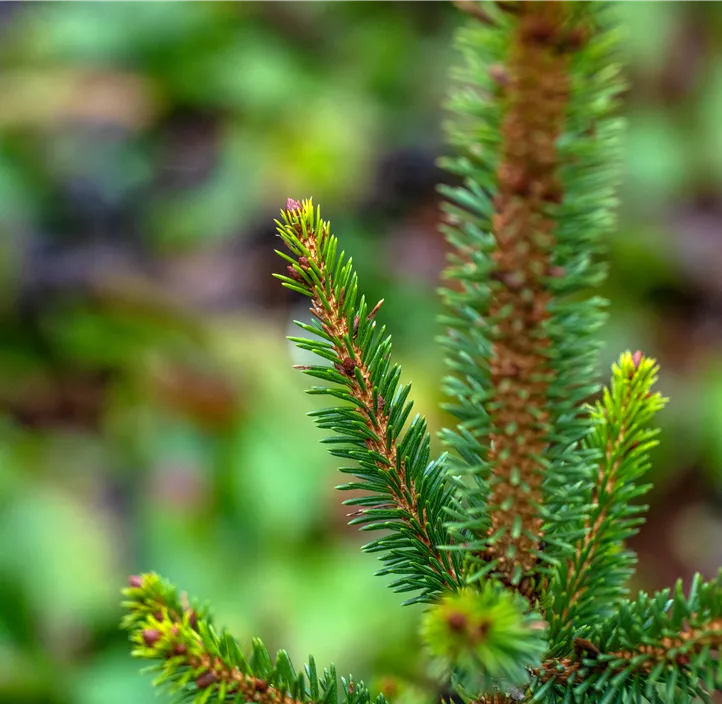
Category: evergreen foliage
[588,586]
[515,540]
[486,636]
[408,493]
[201,664]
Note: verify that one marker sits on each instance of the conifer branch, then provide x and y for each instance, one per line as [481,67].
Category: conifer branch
[201,665]
[409,493]
[522,353]
[587,585]
[669,643]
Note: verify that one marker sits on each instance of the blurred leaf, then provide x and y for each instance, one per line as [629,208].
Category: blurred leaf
[257,73]
[112,678]
[61,549]
[648,30]
[110,32]
[710,139]
[656,165]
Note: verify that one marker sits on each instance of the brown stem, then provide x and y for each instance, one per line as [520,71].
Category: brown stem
[186,644]
[537,95]
[695,638]
[495,698]
[252,688]
[708,635]
[560,669]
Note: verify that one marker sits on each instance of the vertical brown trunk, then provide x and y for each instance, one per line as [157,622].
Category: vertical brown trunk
[528,183]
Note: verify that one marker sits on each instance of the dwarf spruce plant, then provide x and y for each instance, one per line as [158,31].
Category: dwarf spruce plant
[513,542]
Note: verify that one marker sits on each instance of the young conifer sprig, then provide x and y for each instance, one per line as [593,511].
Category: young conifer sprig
[407,493]
[661,649]
[538,149]
[200,665]
[485,638]
[588,586]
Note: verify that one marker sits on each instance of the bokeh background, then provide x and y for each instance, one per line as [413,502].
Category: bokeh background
[149,415]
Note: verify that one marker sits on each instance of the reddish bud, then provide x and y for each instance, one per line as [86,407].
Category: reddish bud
[584,647]
[180,649]
[637,359]
[293,273]
[355,326]
[351,687]
[557,272]
[135,581]
[151,636]
[456,621]
[303,263]
[539,30]
[682,660]
[293,205]
[158,615]
[260,685]
[206,679]
[514,281]
[192,619]
[348,365]
[499,75]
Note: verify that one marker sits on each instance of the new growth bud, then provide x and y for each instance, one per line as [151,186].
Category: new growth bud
[293,205]
[456,620]
[151,636]
[206,679]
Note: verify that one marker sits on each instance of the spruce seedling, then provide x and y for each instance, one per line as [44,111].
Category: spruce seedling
[514,540]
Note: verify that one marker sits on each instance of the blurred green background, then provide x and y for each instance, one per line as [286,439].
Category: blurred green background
[150,418]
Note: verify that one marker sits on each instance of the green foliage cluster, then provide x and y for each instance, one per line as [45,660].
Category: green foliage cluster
[535,608]
[590,585]
[588,152]
[408,492]
[485,637]
[192,652]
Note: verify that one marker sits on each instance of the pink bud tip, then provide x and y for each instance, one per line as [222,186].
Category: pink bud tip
[293,205]
[206,679]
[135,581]
[637,359]
[151,636]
